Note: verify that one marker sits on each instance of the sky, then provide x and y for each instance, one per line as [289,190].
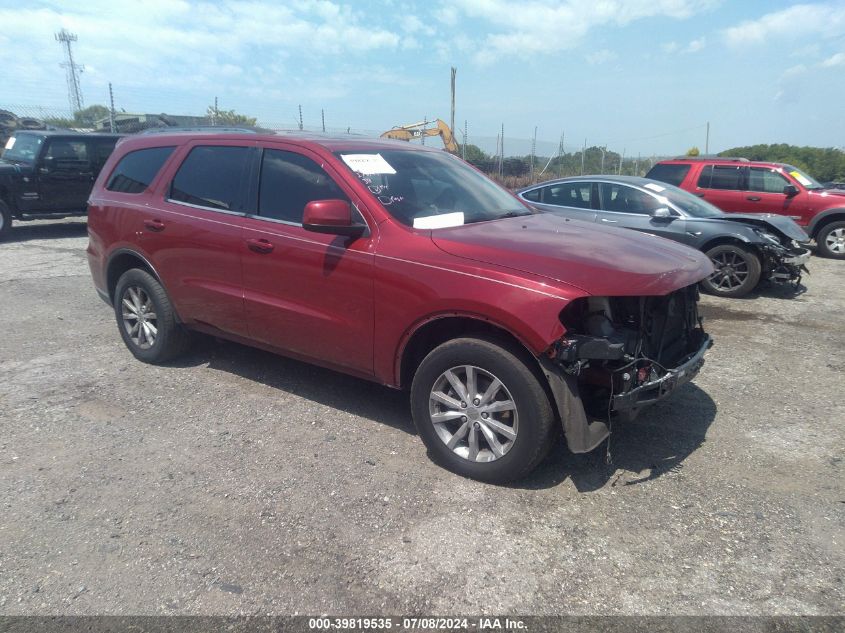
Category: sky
[643,76]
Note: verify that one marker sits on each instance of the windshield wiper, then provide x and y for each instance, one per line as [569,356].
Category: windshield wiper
[515,214]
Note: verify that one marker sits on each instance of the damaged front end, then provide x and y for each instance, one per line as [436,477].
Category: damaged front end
[620,354]
[783,260]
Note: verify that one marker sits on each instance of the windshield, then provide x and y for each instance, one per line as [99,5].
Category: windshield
[23,148]
[807,181]
[685,201]
[429,190]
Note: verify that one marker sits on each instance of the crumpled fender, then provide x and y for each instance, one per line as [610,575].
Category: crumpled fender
[582,436]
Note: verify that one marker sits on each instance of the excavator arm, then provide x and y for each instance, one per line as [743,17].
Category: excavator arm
[420,130]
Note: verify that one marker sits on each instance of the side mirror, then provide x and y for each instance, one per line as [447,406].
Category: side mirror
[330,216]
[661,212]
[790,191]
[48,164]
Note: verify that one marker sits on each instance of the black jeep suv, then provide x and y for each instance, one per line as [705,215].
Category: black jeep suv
[49,174]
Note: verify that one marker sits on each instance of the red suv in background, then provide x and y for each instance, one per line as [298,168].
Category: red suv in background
[737,185]
[403,265]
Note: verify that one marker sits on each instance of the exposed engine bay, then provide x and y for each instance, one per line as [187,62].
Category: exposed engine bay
[783,260]
[620,354]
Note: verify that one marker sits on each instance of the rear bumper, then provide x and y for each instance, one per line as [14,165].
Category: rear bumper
[655,390]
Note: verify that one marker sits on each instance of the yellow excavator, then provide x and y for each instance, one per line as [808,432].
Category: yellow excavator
[421,130]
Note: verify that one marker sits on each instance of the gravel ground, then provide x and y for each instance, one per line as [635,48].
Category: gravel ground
[238,482]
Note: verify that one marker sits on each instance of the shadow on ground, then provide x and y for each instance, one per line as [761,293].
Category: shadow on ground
[657,442]
[24,232]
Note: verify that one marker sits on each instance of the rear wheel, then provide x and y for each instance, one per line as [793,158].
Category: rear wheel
[146,319]
[737,271]
[831,240]
[481,410]
[5,219]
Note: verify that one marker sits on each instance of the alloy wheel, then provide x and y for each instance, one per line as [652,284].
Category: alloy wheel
[731,271]
[473,413]
[139,317]
[835,241]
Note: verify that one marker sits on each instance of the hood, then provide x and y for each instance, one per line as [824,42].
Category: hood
[602,261]
[769,221]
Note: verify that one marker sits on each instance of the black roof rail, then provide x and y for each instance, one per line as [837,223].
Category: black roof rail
[734,159]
[200,128]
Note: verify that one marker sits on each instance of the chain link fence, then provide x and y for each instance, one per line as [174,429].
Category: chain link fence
[512,161]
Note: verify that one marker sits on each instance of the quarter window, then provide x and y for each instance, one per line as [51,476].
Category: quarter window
[212,176]
[766,180]
[136,170]
[533,195]
[624,199]
[289,181]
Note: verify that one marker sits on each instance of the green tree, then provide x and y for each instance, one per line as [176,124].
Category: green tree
[693,151]
[228,117]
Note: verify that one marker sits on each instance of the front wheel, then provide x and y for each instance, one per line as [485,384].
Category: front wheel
[831,240]
[146,319]
[5,220]
[737,271]
[481,411]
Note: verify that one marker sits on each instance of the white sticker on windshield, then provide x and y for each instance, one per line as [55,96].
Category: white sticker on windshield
[10,143]
[654,187]
[439,221]
[800,178]
[368,164]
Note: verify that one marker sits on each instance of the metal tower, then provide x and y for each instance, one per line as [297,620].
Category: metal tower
[74,92]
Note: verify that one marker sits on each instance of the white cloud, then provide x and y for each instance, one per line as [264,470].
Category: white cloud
[669,47]
[600,57]
[543,26]
[696,45]
[795,22]
[835,60]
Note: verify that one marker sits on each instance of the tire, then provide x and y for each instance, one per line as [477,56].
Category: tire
[831,240]
[529,422]
[146,295]
[737,271]
[5,220]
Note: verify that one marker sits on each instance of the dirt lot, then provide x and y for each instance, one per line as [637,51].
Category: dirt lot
[241,482]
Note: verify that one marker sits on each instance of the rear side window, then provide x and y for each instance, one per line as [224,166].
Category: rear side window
[624,199]
[533,195]
[672,173]
[289,181]
[136,170]
[213,177]
[573,194]
[721,177]
[100,151]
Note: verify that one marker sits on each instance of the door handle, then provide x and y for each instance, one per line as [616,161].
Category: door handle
[260,246]
[154,225]
[753,198]
[609,221]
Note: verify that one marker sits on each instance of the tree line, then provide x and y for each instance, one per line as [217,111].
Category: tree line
[825,164]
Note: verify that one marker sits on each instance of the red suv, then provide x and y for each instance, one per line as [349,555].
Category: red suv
[402,265]
[737,185]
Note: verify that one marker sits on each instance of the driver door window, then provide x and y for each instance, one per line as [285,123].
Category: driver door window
[623,199]
[766,180]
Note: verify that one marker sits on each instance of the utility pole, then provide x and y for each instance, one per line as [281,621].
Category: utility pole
[707,141]
[560,156]
[74,91]
[111,110]
[637,166]
[603,150]
[583,153]
[300,118]
[214,116]
[323,117]
[502,149]
[533,153]
[621,160]
[452,120]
